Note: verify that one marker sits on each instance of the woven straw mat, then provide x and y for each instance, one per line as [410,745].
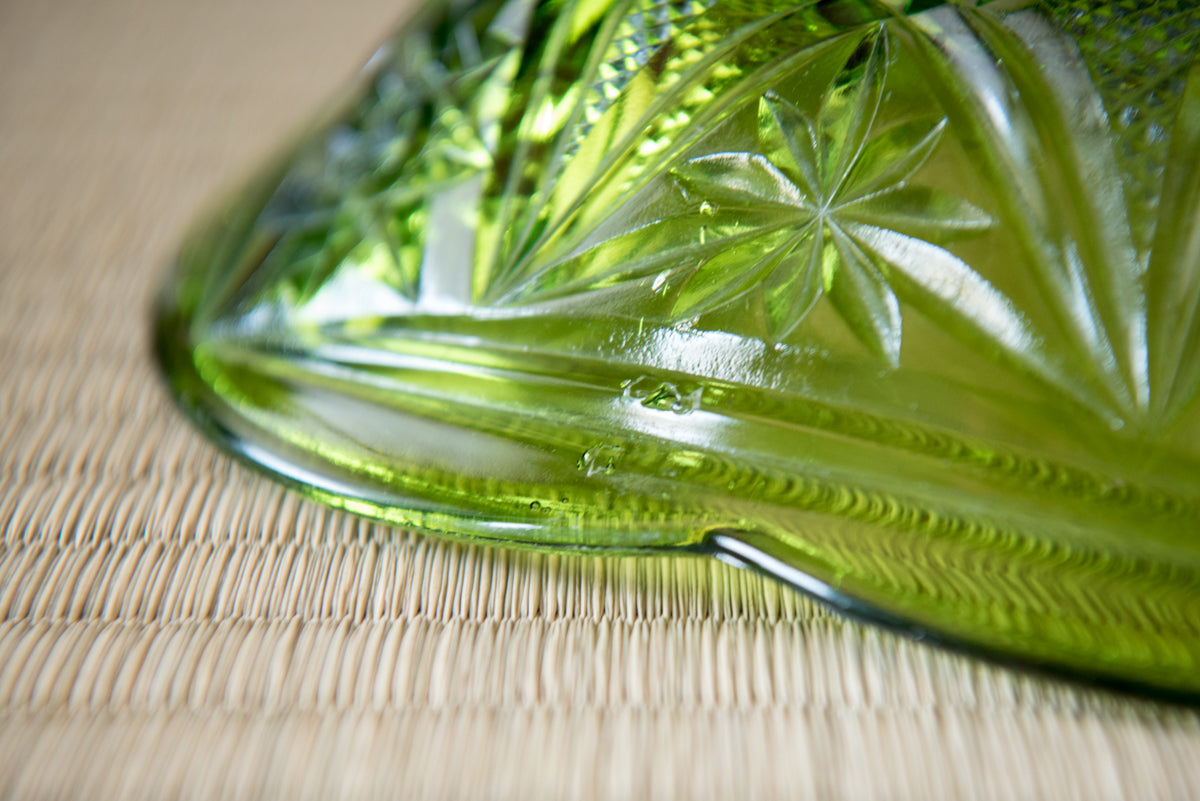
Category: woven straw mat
[172,625]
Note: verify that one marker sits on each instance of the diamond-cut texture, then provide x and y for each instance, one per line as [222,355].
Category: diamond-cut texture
[841,290]
[1140,52]
[651,25]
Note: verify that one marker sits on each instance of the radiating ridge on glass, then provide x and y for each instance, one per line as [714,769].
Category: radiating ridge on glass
[898,298]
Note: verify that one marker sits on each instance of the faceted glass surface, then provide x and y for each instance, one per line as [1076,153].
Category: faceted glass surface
[895,302]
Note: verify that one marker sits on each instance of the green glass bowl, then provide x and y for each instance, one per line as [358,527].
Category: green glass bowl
[895,302]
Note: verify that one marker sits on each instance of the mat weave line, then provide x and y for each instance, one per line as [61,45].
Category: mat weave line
[174,626]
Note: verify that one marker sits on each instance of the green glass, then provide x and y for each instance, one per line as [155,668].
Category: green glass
[895,302]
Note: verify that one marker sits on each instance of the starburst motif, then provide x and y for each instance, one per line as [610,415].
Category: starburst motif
[828,208]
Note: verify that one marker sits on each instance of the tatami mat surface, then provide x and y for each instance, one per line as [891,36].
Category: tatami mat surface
[174,626]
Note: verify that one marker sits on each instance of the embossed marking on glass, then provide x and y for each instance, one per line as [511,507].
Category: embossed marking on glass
[898,303]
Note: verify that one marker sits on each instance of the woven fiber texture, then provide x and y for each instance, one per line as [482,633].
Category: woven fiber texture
[174,626]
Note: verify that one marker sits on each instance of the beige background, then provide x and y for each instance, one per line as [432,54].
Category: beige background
[172,625]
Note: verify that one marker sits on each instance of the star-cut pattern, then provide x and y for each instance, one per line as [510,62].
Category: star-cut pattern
[829,208]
